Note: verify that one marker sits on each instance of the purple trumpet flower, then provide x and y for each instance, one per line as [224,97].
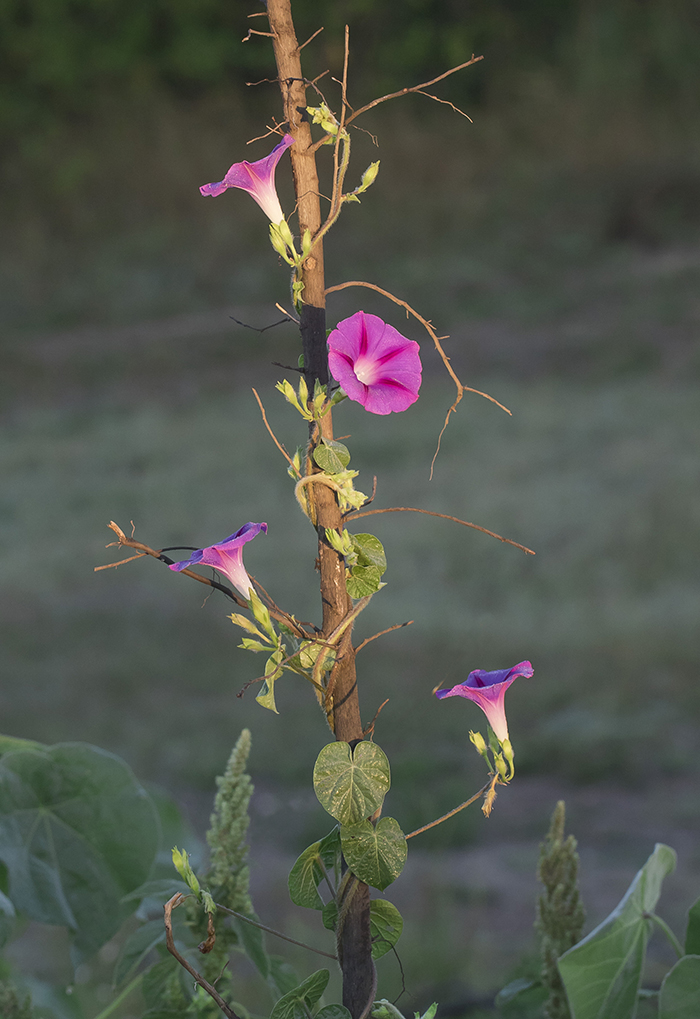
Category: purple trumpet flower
[226,557]
[488,690]
[374,363]
[258,179]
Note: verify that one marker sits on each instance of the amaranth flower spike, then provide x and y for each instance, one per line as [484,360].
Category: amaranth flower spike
[226,557]
[488,690]
[375,365]
[258,179]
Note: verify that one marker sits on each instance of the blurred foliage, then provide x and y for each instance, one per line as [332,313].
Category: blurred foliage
[58,57]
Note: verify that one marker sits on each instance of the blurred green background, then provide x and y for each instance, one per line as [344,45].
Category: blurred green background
[555,239]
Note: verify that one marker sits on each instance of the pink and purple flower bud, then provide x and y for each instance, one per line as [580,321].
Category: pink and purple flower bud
[375,365]
[488,690]
[227,557]
[258,179]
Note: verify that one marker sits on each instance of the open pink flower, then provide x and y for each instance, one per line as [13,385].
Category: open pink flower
[226,557]
[258,179]
[488,690]
[374,363]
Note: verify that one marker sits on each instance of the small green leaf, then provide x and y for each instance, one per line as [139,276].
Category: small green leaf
[330,852]
[679,997]
[370,551]
[603,972]
[351,785]
[329,915]
[304,879]
[375,853]
[692,937]
[297,1003]
[429,1012]
[362,581]
[266,697]
[332,457]
[386,925]
[333,1012]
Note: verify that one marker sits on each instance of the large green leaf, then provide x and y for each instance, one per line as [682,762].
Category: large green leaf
[386,924]
[692,936]
[77,834]
[680,992]
[375,853]
[135,949]
[297,1003]
[253,941]
[362,581]
[602,973]
[351,785]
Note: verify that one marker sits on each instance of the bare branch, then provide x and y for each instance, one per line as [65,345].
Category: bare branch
[317,32]
[396,626]
[279,445]
[446,102]
[443,516]
[414,88]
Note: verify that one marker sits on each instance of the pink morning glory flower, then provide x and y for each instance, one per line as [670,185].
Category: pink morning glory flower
[374,363]
[226,557]
[488,690]
[258,179]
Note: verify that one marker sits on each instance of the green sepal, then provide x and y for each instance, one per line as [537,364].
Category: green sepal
[494,741]
[181,862]
[253,645]
[261,614]
[376,854]
[288,392]
[352,197]
[342,543]
[245,624]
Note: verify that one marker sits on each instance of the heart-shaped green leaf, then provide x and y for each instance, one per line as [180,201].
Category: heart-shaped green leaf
[370,551]
[77,834]
[351,785]
[374,853]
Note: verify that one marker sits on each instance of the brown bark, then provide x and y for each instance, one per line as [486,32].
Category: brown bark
[355,948]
